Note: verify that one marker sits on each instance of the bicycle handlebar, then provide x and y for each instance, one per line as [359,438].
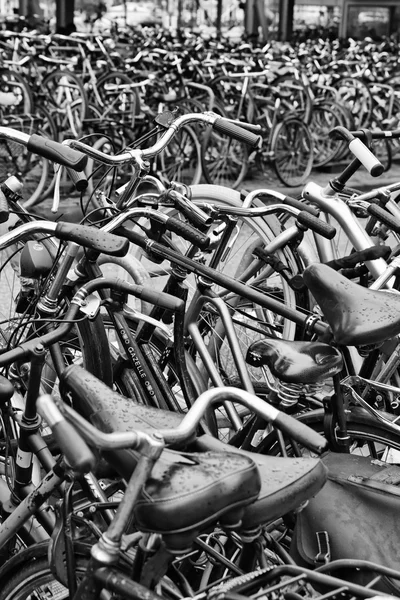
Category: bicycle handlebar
[384,217]
[187,427]
[72,445]
[54,151]
[360,151]
[138,156]
[89,237]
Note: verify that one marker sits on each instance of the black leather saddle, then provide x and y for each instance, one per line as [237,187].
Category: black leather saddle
[190,490]
[295,362]
[356,315]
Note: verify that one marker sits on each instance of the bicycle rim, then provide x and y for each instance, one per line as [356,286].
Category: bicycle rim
[181,159]
[292,148]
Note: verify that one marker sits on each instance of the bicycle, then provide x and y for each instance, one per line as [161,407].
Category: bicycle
[287,143]
[82,577]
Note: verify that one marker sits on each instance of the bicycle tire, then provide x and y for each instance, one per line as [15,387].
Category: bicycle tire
[181,160]
[224,160]
[295,100]
[35,172]
[13,83]
[44,187]
[86,341]
[63,94]
[355,94]
[382,149]
[29,575]
[326,148]
[120,100]
[292,150]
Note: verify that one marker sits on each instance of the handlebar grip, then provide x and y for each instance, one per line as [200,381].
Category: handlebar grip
[79,179]
[366,157]
[4,210]
[238,133]
[57,152]
[189,233]
[160,299]
[301,205]
[72,445]
[300,432]
[320,227]
[385,217]
[92,238]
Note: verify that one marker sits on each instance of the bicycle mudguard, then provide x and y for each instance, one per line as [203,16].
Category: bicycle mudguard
[355,516]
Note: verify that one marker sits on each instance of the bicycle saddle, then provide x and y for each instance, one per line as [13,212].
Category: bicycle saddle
[186,491]
[285,483]
[357,316]
[295,362]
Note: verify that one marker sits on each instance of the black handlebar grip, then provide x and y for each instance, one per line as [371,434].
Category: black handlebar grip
[133,236]
[189,233]
[300,432]
[238,133]
[320,227]
[301,205]
[366,157]
[73,447]
[385,217]
[4,211]
[79,179]
[56,152]
[92,238]
[160,299]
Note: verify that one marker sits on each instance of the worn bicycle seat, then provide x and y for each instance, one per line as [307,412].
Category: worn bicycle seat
[357,316]
[187,489]
[286,483]
[295,362]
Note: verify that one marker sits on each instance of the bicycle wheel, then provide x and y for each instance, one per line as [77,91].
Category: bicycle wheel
[356,96]
[295,98]
[326,148]
[34,171]
[85,344]
[292,150]
[45,184]
[64,96]
[119,99]
[181,160]
[383,151]
[29,576]
[224,161]
[15,95]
